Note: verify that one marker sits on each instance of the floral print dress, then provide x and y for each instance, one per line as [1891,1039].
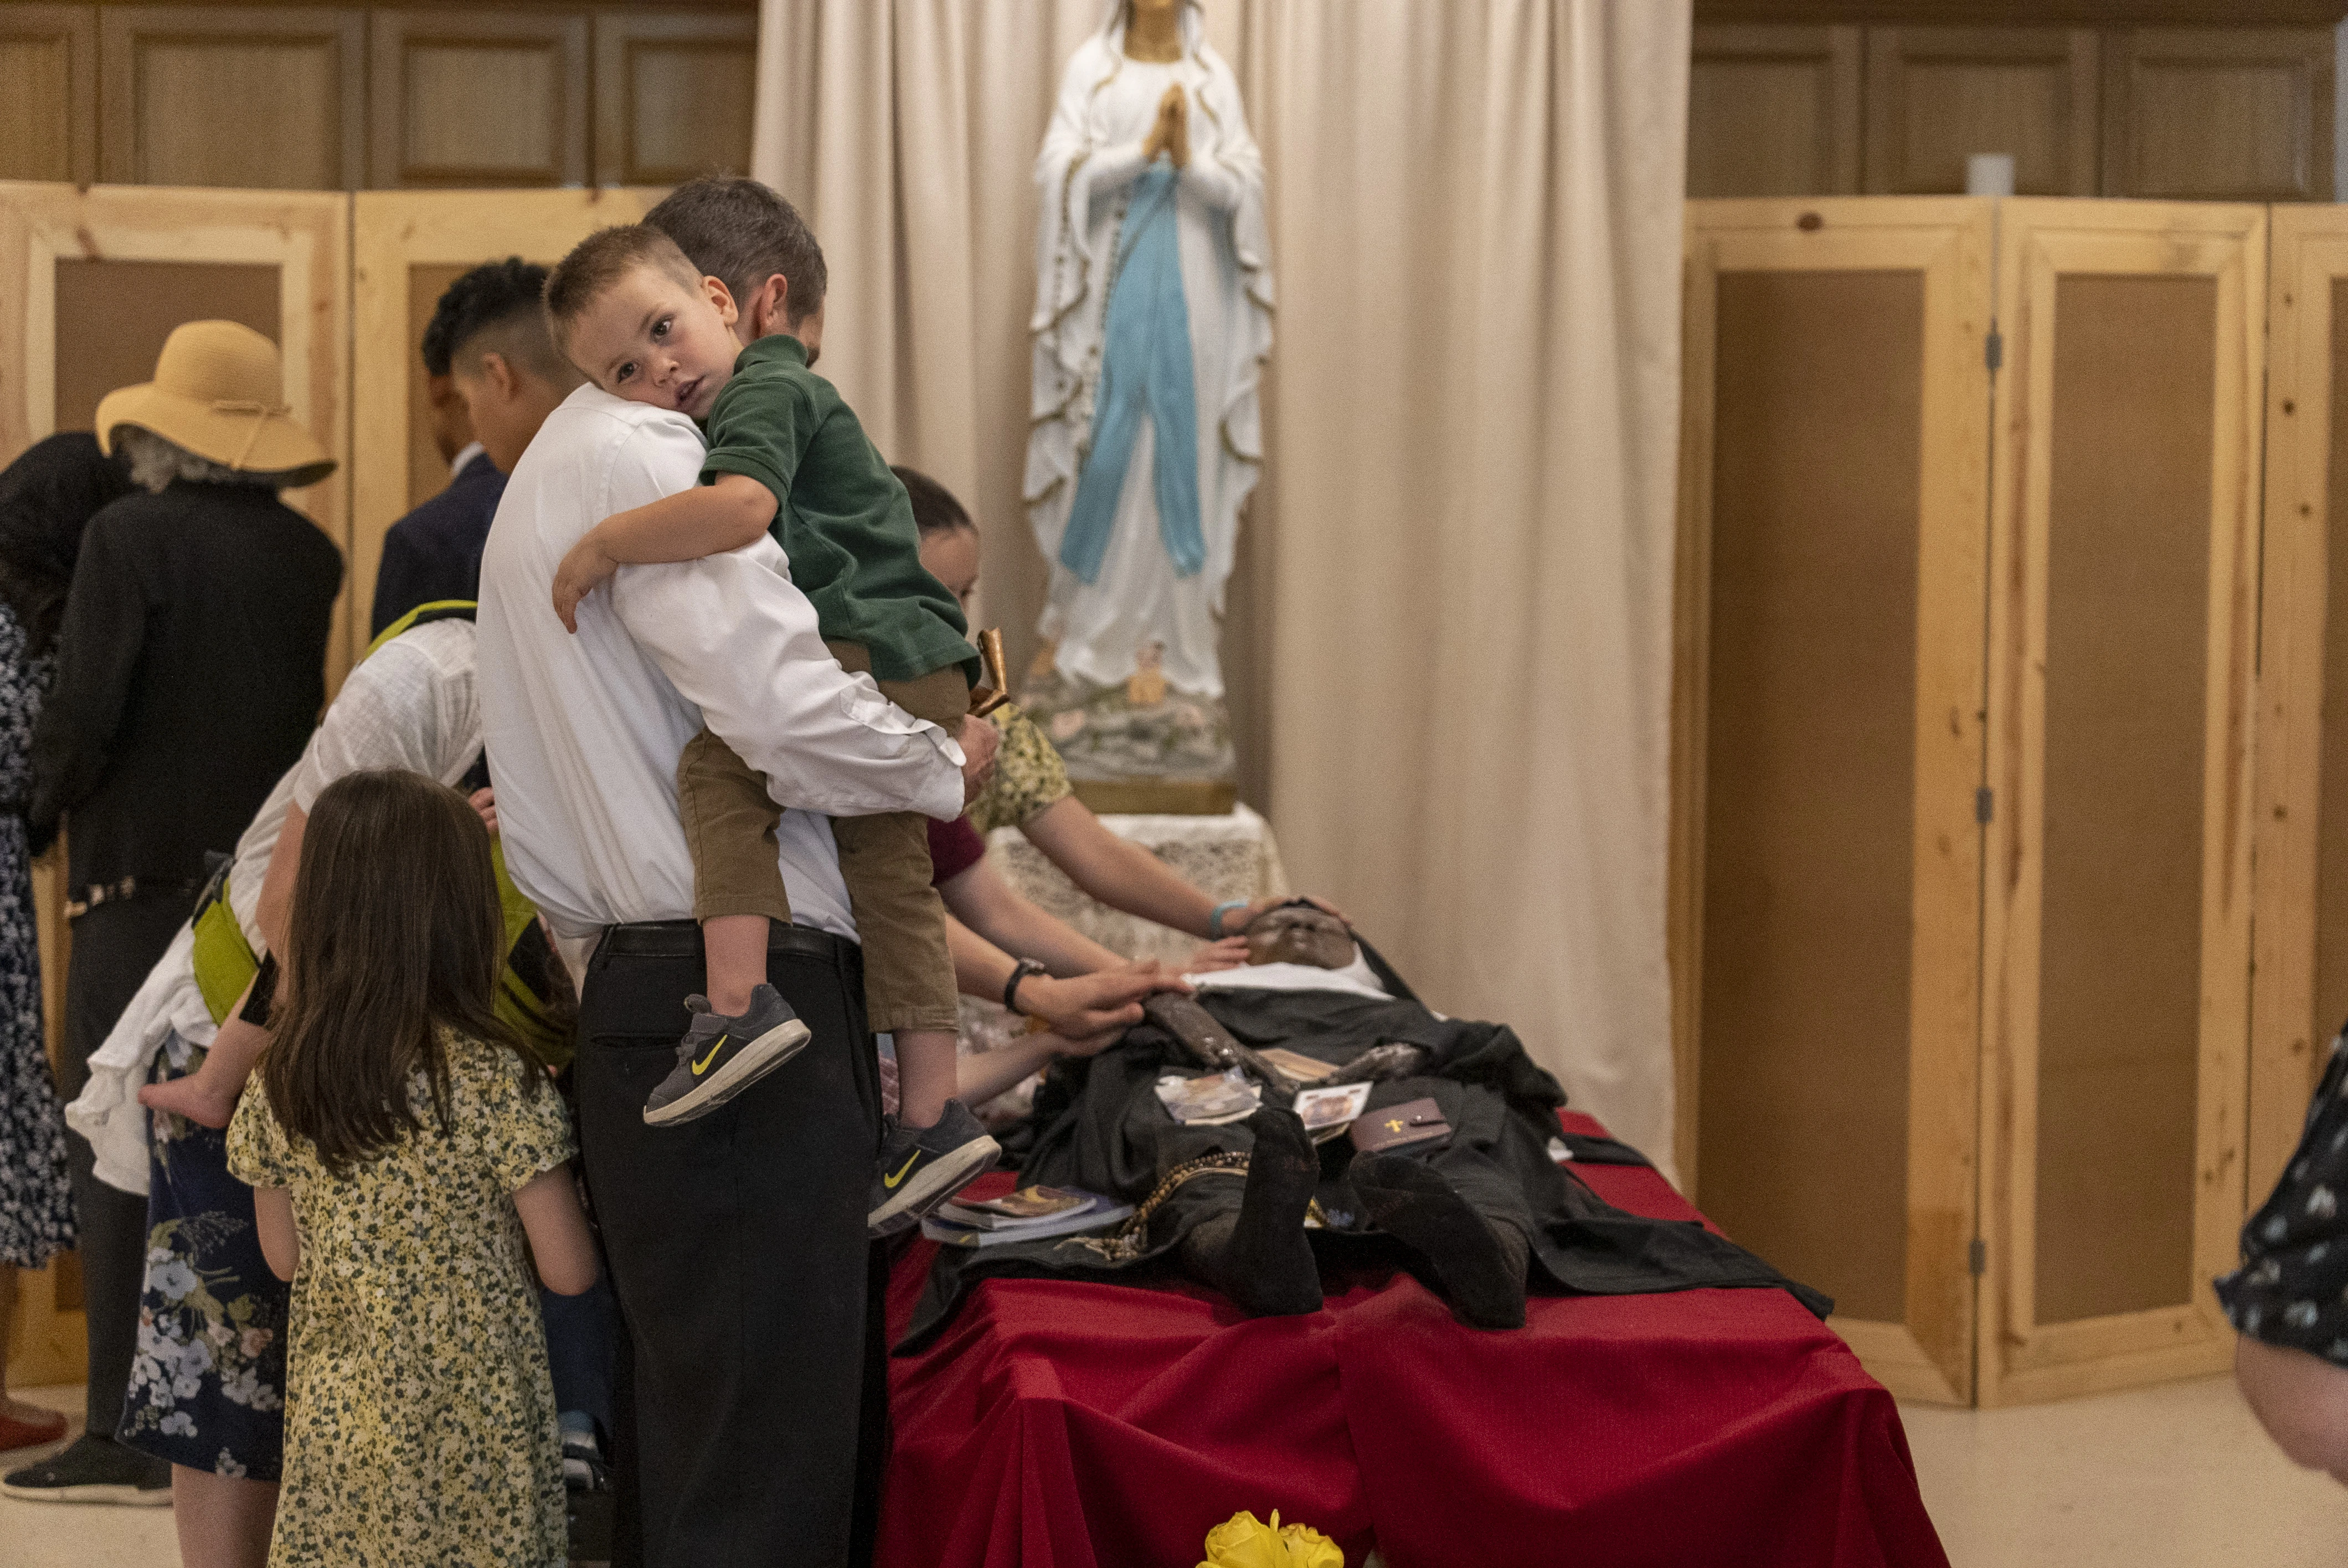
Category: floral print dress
[419,1419]
[2291,1289]
[35,1204]
[208,1382]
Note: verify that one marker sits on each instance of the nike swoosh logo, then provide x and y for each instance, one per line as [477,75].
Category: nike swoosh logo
[699,1067]
[890,1182]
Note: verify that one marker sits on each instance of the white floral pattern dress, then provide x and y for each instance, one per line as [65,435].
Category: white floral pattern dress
[208,1383]
[36,1206]
[419,1419]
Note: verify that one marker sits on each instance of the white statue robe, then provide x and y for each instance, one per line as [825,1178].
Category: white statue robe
[1092,154]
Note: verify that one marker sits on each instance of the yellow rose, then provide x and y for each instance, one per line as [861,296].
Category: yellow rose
[1308,1548]
[1243,1541]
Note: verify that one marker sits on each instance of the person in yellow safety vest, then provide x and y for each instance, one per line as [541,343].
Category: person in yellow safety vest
[191,1037]
[533,995]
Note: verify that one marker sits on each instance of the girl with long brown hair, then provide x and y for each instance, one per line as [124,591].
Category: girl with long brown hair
[403,1145]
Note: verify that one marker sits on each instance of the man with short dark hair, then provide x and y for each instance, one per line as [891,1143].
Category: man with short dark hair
[487,346]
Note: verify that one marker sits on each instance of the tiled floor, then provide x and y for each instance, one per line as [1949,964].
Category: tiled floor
[2177,1475]
[2173,1477]
[53,1535]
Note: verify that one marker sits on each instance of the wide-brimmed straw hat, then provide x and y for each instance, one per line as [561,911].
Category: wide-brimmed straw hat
[218,392]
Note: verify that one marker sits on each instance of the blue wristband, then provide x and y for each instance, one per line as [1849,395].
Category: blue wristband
[1215,920]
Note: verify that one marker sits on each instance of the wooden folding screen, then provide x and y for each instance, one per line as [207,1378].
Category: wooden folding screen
[91,283]
[408,246]
[1963,772]
[2123,549]
[1827,748]
[2300,990]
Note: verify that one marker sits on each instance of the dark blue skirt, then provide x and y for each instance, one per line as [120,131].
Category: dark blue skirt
[208,1385]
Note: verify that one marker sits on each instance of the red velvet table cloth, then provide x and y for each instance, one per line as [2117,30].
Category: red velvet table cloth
[1059,1424]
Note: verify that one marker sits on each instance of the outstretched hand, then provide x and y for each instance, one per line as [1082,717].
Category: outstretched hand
[1230,953]
[1099,1004]
[585,567]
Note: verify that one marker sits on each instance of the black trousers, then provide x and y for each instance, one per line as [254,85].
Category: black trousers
[114,947]
[751,1351]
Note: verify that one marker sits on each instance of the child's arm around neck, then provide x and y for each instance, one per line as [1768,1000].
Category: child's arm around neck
[706,520]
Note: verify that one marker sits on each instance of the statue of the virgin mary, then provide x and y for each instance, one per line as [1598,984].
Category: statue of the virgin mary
[1153,316]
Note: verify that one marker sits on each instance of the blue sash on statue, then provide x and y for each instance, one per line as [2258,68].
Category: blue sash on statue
[1145,369]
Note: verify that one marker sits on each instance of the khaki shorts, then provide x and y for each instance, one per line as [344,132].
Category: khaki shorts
[729,830]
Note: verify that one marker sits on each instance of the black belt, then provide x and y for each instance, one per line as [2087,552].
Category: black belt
[682,939]
[129,887]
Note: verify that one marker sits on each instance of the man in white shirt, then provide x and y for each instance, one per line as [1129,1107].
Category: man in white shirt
[737,1242]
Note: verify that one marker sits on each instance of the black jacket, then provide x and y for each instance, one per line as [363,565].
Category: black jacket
[48,496]
[1097,1125]
[190,669]
[435,551]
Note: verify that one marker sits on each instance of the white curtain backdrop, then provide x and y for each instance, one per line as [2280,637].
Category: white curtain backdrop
[1449,639]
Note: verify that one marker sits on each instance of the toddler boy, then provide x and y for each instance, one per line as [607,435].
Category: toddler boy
[786,456]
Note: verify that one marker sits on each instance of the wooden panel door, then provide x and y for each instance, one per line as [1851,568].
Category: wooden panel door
[1937,95]
[2228,114]
[48,92]
[2123,549]
[1826,752]
[1774,111]
[91,283]
[674,96]
[265,97]
[2300,990]
[408,246]
[477,98]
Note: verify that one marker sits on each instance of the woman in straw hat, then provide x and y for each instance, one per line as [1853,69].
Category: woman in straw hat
[190,669]
[48,496]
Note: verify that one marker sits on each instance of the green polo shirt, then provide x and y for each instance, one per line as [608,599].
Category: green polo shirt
[842,517]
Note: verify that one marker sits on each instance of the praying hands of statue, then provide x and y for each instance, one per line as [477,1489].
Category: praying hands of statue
[1170,132]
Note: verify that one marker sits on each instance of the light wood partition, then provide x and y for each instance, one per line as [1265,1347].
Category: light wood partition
[1828,746]
[2123,551]
[2300,990]
[93,280]
[408,246]
[91,283]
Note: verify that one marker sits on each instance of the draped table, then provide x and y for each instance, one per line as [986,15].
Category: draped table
[1062,1424]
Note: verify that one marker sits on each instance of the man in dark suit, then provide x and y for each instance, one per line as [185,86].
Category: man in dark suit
[493,374]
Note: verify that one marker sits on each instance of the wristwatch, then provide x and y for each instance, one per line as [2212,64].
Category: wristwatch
[1019,971]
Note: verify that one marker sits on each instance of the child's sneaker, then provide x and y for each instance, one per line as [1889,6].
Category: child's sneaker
[922,1167]
[723,1054]
[582,1455]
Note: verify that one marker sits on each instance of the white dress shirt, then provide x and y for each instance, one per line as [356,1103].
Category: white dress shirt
[584,731]
[409,704]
